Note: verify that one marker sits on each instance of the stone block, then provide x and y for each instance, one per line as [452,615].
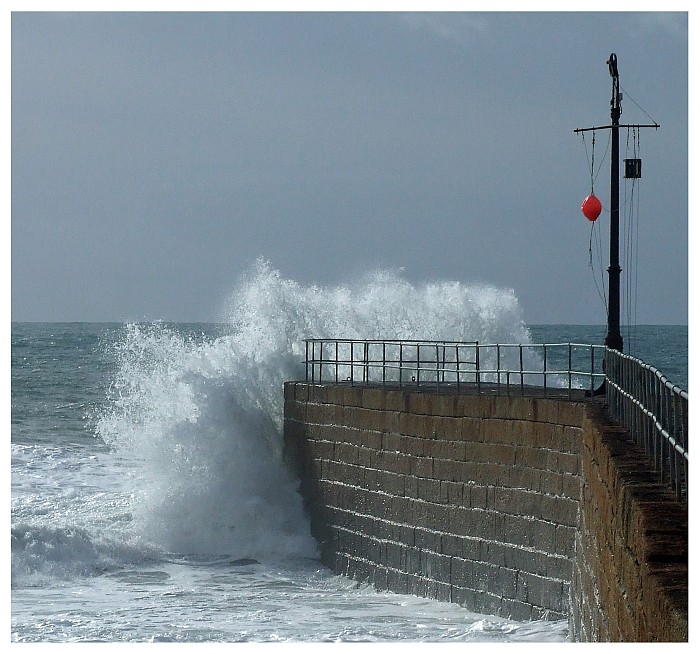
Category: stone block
[407,535]
[438,567]
[438,517]
[368,439]
[518,530]
[391,441]
[542,534]
[394,553]
[427,539]
[517,501]
[422,467]
[401,509]
[462,572]
[505,582]
[429,490]
[564,539]
[411,560]
[395,484]
[395,400]
[374,398]
[478,496]
[380,579]
[411,486]
[567,463]
[468,429]
[411,445]
[397,581]
[459,521]
[447,470]
[483,575]
[484,524]
[519,611]
[570,413]
[420,426]
[571,440]
[454,491]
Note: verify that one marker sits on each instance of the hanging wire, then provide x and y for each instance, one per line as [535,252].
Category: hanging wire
[602,160]
[595,238]
[635,268]
[591,166]
[629,97]
[632,204]
[631,242]
[627,234]
[592,157]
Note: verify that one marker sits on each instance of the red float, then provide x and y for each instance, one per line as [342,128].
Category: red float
[591,207]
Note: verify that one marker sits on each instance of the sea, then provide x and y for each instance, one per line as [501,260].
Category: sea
[149,499]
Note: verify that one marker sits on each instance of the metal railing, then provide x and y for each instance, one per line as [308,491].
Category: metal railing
[639,397]
[655,412]
[500,367]
[390,361]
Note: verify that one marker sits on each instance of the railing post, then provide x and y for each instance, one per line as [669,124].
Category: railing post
[352,363]
[321,360]
[498,369]
[365,367]
[522,375]
[672,430]
[478,367]
[437,365]
[457,370]
[682,431]
[383,363]
[417,364]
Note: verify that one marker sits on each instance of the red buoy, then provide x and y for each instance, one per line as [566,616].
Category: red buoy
[591,207]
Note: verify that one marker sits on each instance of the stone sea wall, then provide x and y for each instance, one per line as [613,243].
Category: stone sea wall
[521,507]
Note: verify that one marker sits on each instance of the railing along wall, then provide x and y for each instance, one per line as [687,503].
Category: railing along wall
[639,396]
[499,367]
[655,411]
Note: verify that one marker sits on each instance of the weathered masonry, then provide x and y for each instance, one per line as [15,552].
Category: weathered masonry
[519,506]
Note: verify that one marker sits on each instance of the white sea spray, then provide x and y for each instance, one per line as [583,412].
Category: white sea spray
[202,420]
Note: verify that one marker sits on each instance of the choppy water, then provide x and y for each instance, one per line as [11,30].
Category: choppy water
[149,501]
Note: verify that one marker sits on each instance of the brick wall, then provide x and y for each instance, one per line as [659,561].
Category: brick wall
[472,499]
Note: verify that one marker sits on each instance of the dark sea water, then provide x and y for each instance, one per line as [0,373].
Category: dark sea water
[663,346]
[149,501]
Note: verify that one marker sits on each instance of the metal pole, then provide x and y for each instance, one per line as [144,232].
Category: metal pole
[613,338]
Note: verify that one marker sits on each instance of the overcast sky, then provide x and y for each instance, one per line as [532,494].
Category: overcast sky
[156,155]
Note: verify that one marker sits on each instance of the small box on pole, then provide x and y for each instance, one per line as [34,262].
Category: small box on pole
[633,168]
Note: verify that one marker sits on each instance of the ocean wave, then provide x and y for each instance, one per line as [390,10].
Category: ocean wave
[202,420]
[41,553]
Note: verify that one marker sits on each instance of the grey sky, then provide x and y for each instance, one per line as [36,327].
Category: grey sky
[156,155]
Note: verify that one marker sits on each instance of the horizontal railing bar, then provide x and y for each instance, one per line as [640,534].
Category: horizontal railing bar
[660,428]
